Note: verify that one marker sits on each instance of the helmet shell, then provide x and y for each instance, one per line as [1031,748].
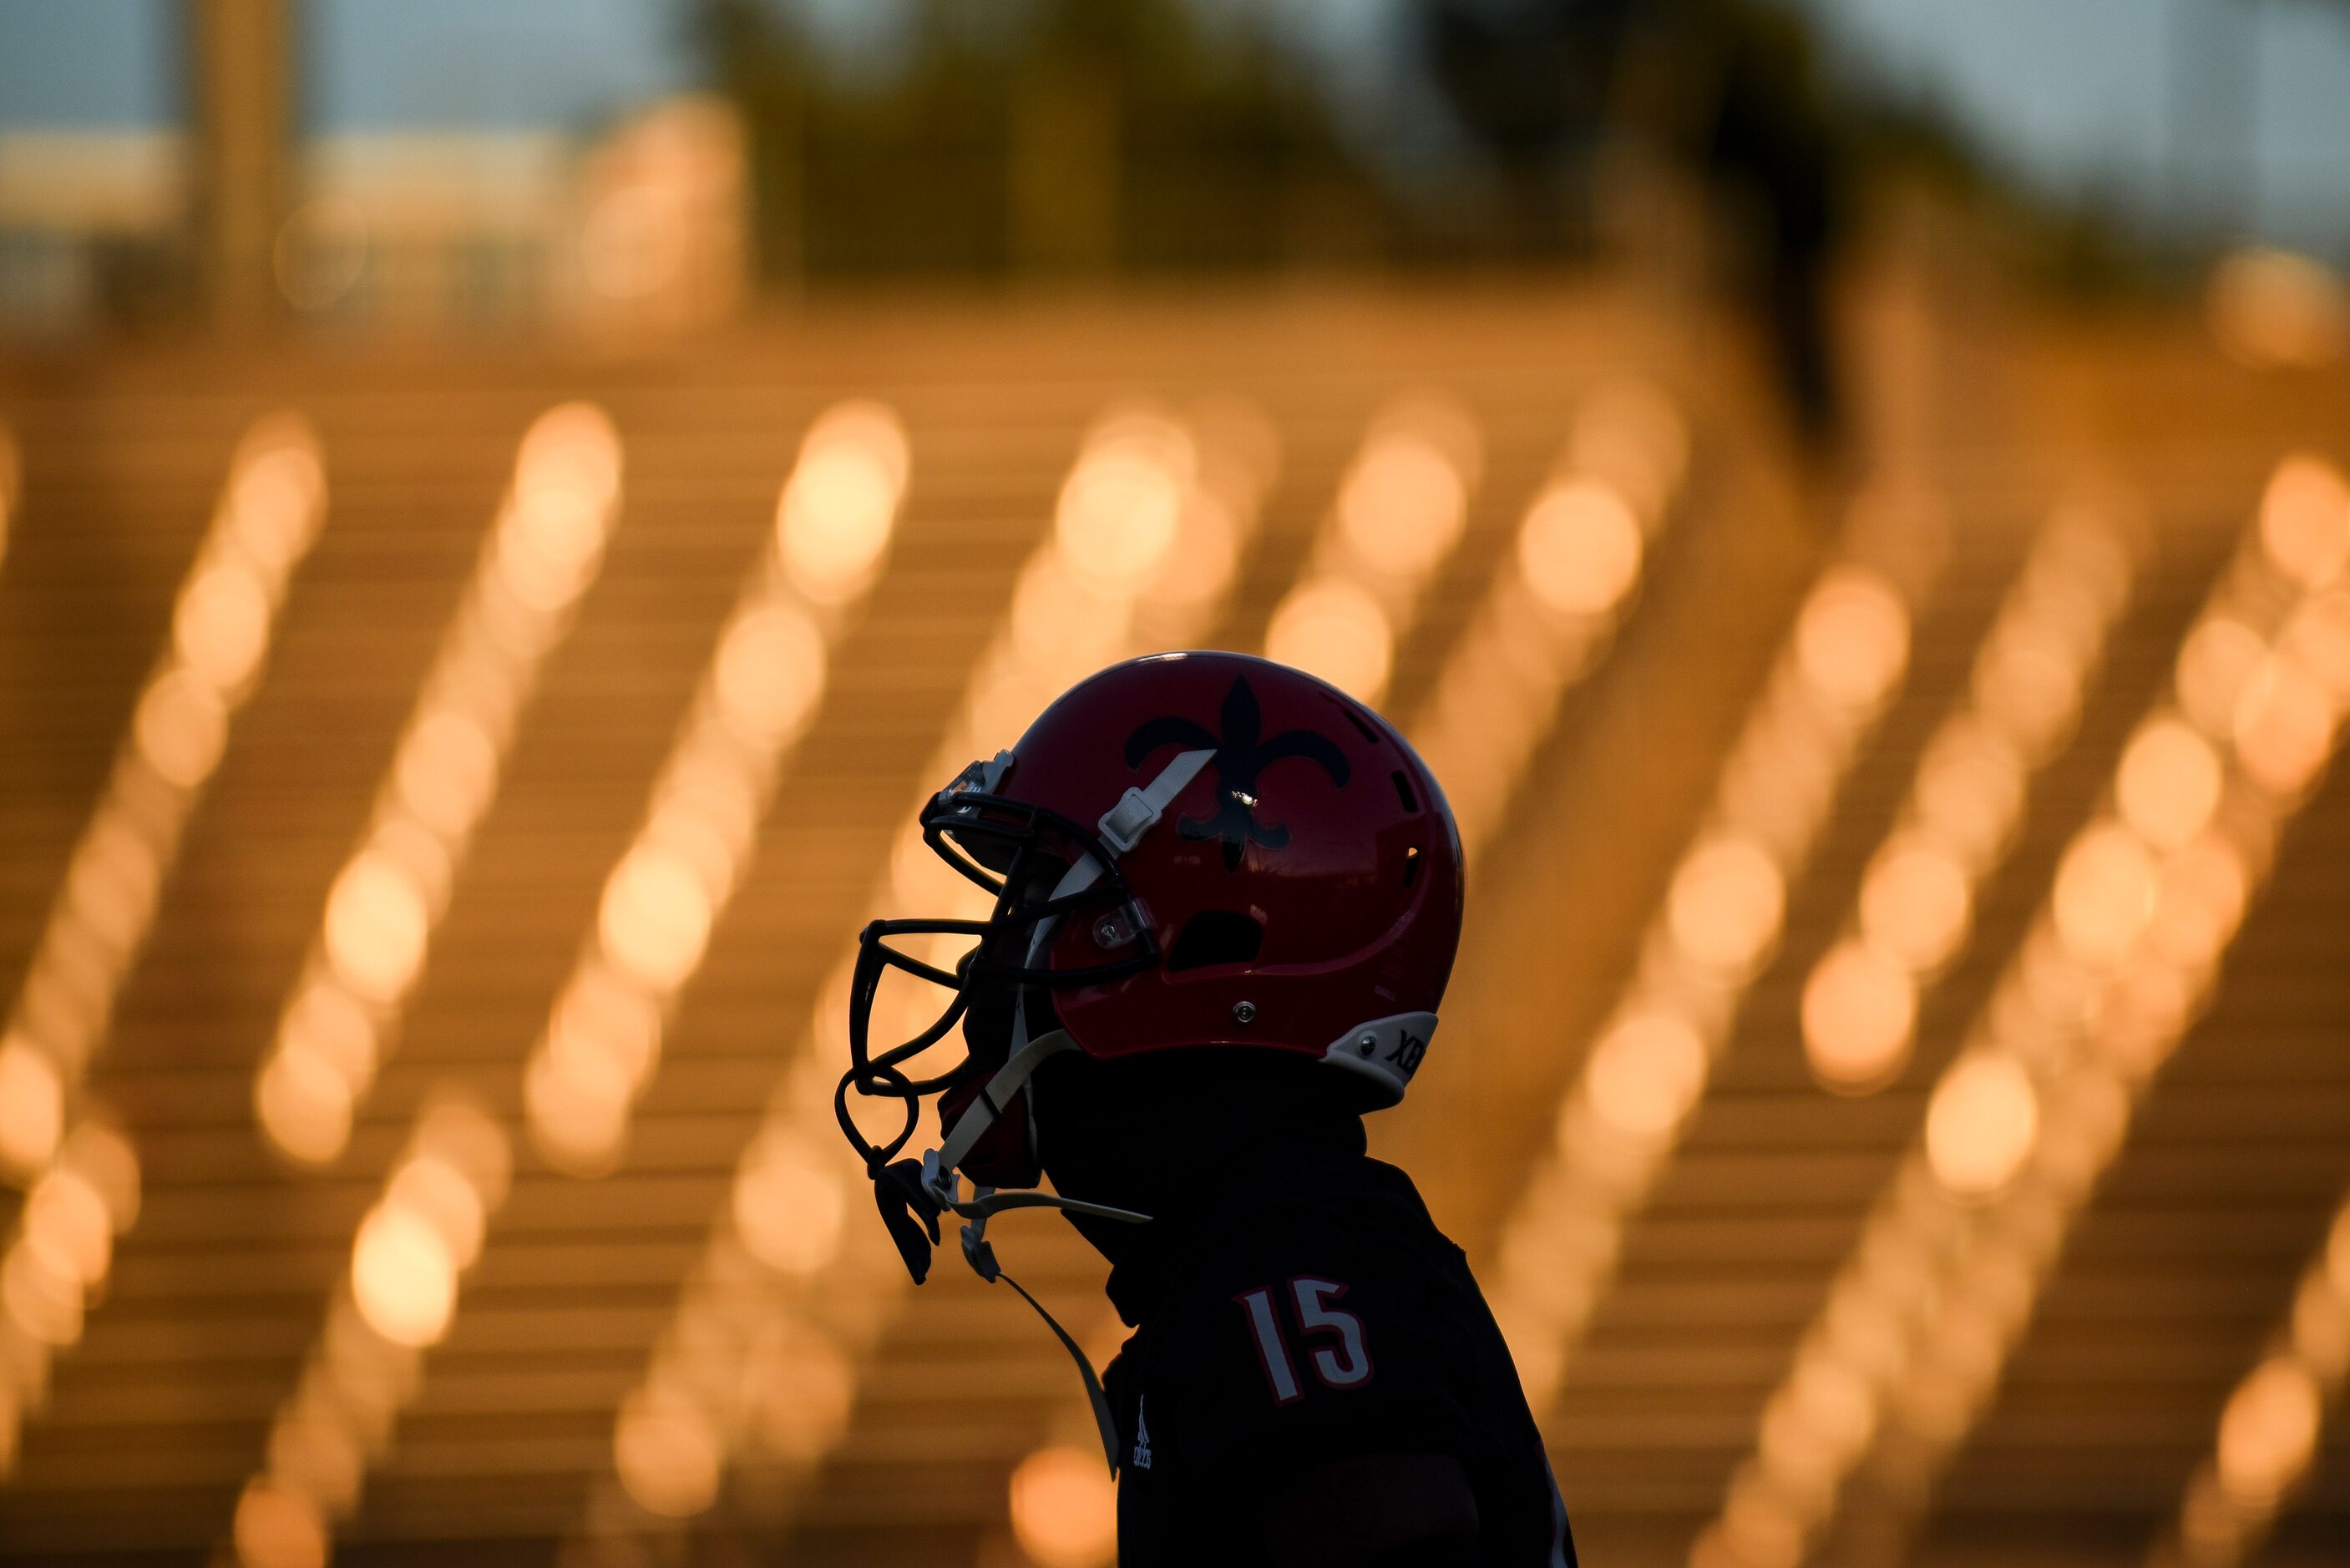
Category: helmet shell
[1307,884]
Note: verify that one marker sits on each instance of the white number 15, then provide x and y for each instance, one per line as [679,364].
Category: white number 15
[1345,1365]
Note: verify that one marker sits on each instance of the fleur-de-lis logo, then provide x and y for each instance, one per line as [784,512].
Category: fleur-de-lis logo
[1240,756]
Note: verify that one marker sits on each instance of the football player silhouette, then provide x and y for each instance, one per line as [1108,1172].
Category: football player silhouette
[1226,900]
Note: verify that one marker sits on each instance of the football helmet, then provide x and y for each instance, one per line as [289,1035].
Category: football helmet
[1189,851]
[1184,851]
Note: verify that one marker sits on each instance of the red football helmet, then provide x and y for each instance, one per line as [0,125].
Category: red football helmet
[1187,850]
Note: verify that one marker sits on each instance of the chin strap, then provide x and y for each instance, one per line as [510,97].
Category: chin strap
[934,1188]
[984,1203]
[913,1196]
[995,1094]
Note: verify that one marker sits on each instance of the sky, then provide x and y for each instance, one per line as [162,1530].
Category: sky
[2078,96]
[2086,96]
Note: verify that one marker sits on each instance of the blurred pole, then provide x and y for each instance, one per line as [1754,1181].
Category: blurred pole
[780,171]
[2214,46]
[1065,170]
[242,60]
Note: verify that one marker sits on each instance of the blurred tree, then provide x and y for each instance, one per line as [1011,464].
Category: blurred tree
[1726,89]
[1071,136]
[1530,81]
[1040,135]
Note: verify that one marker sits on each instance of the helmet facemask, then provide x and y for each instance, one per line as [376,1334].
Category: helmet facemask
[1041,868]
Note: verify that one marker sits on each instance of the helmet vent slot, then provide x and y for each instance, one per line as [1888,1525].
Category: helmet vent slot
[1215,937]
[1404,794]
[1361,724]
[1411,864]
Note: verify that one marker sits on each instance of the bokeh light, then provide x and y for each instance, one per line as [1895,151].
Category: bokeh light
[316,1457]
[2169,783]
[376,928]
[2268,1431]
[1403,505]
[1980,1124]
[83,1180]
[1725,906]
[220,627]
[1120,505]
[2104,895]
[1063,1509]
[1631,436]
[655,917]
[1646,1074]
[2284,726]
[425,1228]
[840,505]
[1550,610]
[1722,912]
[2318,639]
[545,550]
[2216,662]
[1852,638]
[447,771]
[1580,547]
[65,1220]
[441,1196]
[770,671]
[180,728]
[1401,513]
[765,684]
[41,1294]
[2200,901]
[1958,1246]
[1859,1016]
[31,1105]
[2304,521]
[304,1104]
[99,1154]
[279,1528]
[2027,682]
[1336,630]
[790,1203]
[1970,789]
[803,1390]
[1916,902]
[667,1458]
[403,1276]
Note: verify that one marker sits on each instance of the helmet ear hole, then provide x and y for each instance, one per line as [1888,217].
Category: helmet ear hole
[1215,937]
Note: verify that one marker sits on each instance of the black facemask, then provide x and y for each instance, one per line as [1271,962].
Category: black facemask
[1018,853]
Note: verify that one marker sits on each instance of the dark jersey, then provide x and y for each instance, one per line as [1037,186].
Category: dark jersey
[1317,1315]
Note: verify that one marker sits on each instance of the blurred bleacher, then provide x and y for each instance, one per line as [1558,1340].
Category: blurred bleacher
[1980,418]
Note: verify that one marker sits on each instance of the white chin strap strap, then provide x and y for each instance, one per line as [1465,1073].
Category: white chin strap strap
[1120,829]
